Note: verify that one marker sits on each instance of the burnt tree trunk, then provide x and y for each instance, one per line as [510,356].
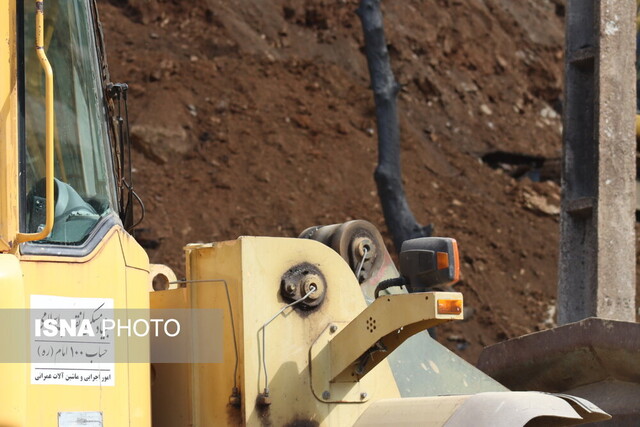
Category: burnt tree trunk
[388,175]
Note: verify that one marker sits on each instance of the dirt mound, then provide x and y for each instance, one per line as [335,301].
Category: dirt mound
[254,117]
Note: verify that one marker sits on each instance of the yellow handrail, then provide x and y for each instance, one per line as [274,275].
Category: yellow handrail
[49,127]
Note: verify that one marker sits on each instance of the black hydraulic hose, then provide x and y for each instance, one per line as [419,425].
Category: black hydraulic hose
[389,283]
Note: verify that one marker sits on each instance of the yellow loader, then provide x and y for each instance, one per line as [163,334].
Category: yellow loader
[318,330]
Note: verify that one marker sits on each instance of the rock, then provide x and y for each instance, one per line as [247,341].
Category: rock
[469,87]
[155,75]
[538,203]
[341,128]
[146,10]
[484,109]
[548,112]
[302,121]
[502,62]
[167,64]
[159,143]
[221,106]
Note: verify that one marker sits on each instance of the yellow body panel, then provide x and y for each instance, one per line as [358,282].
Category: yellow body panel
[116,269]
[431,411]
[8,127]
[252,268]
[13,404]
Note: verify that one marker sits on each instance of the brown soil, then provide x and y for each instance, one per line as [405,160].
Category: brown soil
[255,117]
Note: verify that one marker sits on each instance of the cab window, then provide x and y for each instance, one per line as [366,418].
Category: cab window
[84,183]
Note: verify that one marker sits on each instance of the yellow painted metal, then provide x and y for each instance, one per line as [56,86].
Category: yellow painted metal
[418,411]
[253,268]
[161,278]
[389,320]
[637,126]
[13,404]
[347,392]
[136,263]
[172,383]
[49,129]
[8,127]
[117,269]
[187,395]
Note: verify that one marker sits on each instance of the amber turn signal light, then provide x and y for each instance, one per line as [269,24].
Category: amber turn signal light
[449,306]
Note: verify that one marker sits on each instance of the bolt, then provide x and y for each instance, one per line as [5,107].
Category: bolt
[290,288]
[235,401]
[326,395]
[333,328]
[312,281]
[362,244]
[263,399]
[363,395]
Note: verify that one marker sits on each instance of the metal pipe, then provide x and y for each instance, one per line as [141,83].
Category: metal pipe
[49,128]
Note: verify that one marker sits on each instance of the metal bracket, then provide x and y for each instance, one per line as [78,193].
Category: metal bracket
[325,390]
[341,359]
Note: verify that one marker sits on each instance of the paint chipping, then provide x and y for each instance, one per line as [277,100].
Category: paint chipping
[611,28]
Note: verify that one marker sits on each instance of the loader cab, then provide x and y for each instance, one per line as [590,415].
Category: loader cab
[70,172]
[85,183]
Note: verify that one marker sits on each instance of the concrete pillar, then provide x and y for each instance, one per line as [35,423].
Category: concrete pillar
[597,242]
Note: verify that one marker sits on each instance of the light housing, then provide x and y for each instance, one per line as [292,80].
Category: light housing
[429,262]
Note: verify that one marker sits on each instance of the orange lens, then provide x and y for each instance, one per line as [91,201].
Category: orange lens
[449,306]
[456,261]
[443,260]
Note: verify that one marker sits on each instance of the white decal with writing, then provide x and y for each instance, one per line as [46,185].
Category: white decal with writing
[69,345]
